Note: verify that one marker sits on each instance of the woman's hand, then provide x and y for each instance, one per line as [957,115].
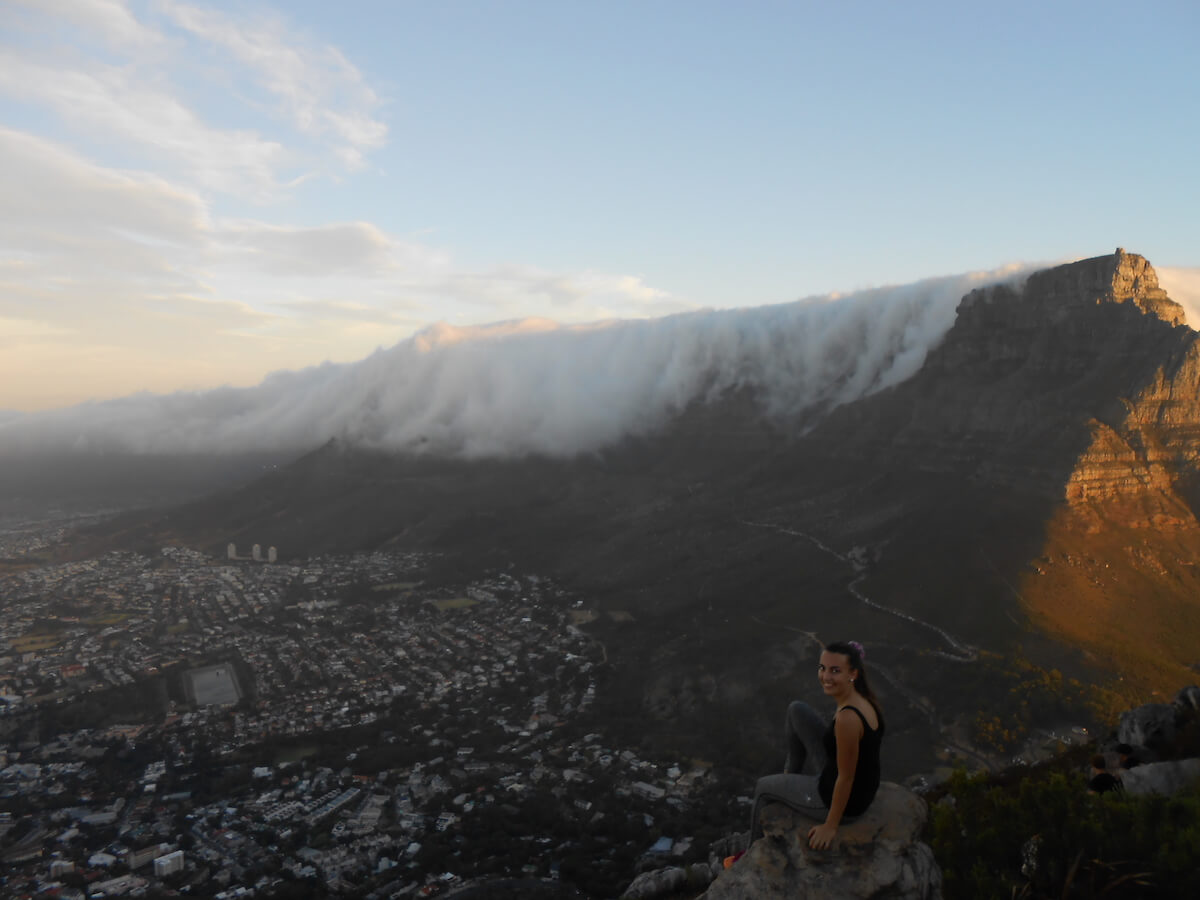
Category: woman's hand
[821,836]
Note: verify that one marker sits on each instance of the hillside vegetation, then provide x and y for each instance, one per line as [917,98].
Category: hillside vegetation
[1042,835]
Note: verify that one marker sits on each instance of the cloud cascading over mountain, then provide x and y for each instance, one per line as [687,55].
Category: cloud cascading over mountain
[534,386]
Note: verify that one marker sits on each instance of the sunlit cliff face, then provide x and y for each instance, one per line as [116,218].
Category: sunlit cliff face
[538,387]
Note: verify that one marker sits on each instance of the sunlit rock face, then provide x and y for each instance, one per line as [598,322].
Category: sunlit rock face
[1081,382]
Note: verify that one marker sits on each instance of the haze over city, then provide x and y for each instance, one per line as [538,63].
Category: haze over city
[198,195]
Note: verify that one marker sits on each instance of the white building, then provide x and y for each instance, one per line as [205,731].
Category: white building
[272,554]
[135,859]
[169,864]
[61,867]
[256,553]
[648,791]
[231,551]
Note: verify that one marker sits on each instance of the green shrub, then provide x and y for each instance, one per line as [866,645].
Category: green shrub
[1046,836]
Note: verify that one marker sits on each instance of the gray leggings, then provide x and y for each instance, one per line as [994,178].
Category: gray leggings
[796,787]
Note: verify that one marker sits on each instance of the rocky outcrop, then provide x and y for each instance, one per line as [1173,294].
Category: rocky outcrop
[668,881]
[1080,382]
[1064,291]
[1053,436]
[1105,367]
[878,856]
[1145,438]
[1151,726]
[1163,730]
[1187,701]
[1168,732]
[1164,778]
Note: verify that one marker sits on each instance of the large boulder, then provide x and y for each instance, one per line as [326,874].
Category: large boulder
[668,880]
[1161,777]
[877,856]
[1151,726]
[1187,701]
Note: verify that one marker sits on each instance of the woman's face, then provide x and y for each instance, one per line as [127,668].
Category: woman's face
[835,674]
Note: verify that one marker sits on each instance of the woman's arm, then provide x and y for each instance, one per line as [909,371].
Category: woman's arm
[847,730]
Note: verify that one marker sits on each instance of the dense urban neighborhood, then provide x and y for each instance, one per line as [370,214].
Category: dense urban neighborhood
[175,723]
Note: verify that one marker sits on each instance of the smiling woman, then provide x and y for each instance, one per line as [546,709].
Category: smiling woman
[831,770]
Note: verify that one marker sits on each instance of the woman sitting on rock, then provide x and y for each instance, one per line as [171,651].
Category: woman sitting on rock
[841,757]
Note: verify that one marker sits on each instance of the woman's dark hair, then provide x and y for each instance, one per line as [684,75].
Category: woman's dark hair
[850,649]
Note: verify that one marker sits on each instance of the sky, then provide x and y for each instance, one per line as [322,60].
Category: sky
[195,195]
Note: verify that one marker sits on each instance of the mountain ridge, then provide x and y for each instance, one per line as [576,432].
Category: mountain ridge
[1052,424]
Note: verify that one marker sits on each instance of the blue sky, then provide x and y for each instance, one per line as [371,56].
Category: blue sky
[201,193]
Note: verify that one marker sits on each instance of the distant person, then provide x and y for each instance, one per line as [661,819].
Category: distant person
[1127,757]
[1102,780]
[832,767]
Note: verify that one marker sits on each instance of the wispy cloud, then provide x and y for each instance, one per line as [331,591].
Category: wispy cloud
[515,287]
[110,262]
[120,269]
[1183,285]
[23,329]
[117,102]
[47,186]
[325,250]
[59,56]
[109,20]
[315,86]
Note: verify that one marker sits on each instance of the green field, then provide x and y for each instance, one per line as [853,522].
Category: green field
[217,685]
[295,753]
[31,643]
[115,618]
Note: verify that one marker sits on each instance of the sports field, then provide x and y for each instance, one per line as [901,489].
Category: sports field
[213,685]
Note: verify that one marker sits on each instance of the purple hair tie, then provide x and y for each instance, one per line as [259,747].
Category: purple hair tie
[862,654]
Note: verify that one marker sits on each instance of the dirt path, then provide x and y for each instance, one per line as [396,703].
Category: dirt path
[959,651]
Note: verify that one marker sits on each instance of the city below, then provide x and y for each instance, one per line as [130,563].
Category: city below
[176,724]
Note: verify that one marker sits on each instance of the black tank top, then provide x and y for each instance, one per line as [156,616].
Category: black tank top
[866,774]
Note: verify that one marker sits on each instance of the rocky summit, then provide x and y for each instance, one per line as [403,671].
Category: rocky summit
[880,855]
[1036,384]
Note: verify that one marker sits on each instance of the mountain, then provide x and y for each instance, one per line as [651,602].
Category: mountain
[1072,405]
[1018,513]
[1068,410]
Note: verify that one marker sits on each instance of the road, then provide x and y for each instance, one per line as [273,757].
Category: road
[959,650]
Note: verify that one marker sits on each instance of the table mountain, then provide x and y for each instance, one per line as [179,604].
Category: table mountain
[1023,504]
